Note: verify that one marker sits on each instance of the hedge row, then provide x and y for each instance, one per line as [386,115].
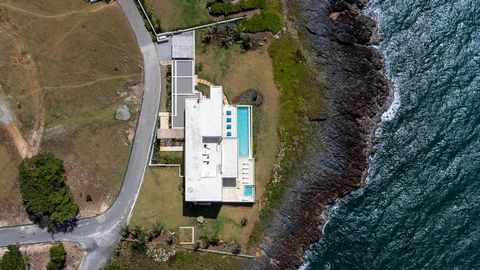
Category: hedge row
[228,8]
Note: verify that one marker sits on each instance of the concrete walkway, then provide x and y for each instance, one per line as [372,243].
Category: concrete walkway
[98,235]
[209,84]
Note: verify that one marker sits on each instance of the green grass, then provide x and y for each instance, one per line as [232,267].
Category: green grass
[176,14]
[228,8]
[171,157]
[192,12]
[270,21]
[161,200]
[147,6]
[167,157]
[294,78]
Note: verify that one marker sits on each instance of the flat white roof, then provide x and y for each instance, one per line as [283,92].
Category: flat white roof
[230,157]
[208,189]
[214,170]
[203,156]
[204,115]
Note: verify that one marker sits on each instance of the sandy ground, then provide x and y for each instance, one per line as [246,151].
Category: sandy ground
[37,256]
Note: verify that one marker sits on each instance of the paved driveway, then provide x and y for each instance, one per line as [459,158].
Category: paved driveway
[100,234]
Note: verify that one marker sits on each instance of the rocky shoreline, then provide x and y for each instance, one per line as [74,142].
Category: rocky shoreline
[357,93]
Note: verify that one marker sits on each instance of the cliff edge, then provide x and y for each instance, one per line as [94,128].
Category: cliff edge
[356,93]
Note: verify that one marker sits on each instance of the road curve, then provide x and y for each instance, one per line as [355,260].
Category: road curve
[98,235]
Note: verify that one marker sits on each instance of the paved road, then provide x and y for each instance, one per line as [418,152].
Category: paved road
[100,234]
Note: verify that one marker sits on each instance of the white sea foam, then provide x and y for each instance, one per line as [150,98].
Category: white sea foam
[305,265]
[392,111]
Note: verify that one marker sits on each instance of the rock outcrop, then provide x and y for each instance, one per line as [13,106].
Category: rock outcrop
[357,92]
[122,113]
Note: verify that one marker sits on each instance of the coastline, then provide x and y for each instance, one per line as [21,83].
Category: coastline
[357,93]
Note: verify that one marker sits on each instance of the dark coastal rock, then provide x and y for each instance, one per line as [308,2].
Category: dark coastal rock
[357,93]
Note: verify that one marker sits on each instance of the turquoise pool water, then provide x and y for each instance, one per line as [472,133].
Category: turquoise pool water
[243,131]
[248,191]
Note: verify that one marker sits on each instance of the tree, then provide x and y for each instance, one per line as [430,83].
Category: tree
[57,257]
[13,259]
[47,198]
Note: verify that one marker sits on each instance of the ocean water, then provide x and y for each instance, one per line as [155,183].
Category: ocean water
[420,208]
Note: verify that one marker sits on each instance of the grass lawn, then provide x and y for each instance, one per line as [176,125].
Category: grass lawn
[170,157]
[161,200]
[176,14]
[238,72]
[70,67]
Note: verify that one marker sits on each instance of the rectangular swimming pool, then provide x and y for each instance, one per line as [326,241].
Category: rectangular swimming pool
[243,132]
[248,191]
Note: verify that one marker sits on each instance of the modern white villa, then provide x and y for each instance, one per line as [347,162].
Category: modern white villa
[219,163]
[218,157]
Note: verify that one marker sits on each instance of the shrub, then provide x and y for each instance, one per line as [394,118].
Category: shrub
[138,247]
[125,231]
[212,240]
[138,233]
[157,229]
[234,248]
[47,198]
[271,21]
[57,257]
[244,222]
[170,240]
[12,259]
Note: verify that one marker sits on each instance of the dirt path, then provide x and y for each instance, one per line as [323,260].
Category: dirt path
[106,78]
[27,147]
[61,15]
[12,129]
[30,146]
